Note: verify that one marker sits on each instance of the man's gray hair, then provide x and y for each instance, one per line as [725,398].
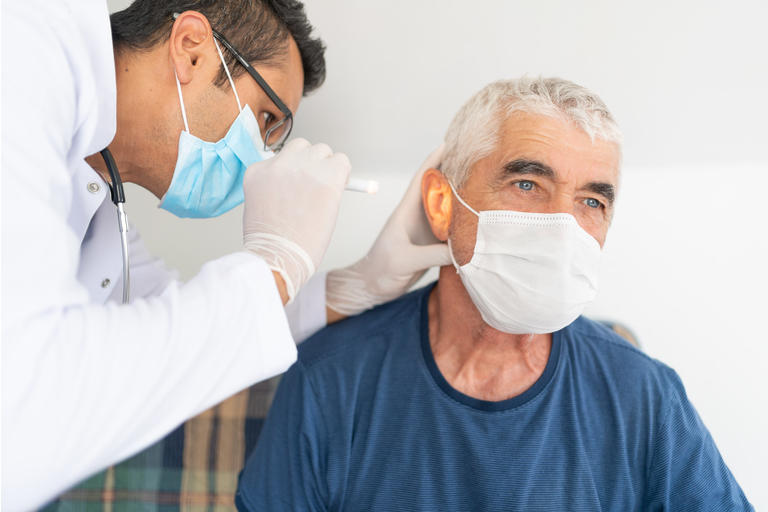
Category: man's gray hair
[474,132]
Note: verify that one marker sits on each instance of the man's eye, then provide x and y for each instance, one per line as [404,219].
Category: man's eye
[268,119]
[525,185]
[593,203]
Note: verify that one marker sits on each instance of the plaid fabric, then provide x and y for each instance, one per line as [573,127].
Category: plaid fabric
[195,467]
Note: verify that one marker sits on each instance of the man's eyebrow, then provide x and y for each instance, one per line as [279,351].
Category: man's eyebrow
[525,166]
[602,188]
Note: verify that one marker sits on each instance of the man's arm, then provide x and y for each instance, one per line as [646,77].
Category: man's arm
[287,469]
[686,471]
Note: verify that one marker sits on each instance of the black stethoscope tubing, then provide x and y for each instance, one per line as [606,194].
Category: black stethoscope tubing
[118,198]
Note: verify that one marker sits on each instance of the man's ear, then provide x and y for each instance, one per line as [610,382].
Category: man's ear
[436,197]
[190,44]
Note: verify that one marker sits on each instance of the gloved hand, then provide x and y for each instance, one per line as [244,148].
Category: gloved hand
[291,205]
[403,251]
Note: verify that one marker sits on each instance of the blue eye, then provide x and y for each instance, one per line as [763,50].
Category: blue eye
[525,185]
[593,203]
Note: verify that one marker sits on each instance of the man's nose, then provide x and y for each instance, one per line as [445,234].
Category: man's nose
[561,202]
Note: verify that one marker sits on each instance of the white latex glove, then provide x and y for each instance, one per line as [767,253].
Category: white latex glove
[404,250]
[291,205]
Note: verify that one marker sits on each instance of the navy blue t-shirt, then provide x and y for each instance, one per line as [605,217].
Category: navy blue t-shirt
[365,421]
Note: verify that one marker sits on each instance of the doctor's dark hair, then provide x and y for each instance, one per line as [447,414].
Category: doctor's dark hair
[259,29]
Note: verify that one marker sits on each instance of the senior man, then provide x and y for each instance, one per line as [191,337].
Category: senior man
[488,390]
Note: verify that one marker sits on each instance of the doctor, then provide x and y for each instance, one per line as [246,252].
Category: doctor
[87,379]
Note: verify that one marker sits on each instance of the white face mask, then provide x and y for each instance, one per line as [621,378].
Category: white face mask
[531,273]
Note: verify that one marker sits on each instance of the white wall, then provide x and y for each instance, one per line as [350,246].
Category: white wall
[685,262]
[686,269]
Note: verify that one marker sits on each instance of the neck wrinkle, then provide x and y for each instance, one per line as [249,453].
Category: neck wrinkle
[473,356]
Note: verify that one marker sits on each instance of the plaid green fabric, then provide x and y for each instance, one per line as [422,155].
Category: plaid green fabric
[195,467]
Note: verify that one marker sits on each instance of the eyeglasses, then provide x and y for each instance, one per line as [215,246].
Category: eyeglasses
[277,133]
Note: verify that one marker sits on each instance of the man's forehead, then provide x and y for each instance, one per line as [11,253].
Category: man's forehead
[561,148]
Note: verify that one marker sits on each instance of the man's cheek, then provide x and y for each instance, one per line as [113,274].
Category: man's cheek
[463,234]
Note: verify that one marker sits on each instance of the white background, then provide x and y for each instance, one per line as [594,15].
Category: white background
[688,83]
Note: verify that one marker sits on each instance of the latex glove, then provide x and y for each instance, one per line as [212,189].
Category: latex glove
[403,251]
[291,205]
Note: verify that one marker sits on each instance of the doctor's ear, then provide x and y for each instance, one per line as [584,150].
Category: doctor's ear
[190,45]
[436,196]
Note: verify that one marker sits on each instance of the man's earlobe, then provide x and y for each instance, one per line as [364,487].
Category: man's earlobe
[436,196]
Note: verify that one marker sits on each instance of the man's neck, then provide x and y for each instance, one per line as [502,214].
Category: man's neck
[138,136]
[475,358]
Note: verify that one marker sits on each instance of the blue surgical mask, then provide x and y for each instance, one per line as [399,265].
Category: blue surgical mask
[208,178]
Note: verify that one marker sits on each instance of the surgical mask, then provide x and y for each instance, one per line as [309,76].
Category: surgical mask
[208,178]
[531,273]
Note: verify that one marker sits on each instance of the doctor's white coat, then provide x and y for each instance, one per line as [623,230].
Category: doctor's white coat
[87,381]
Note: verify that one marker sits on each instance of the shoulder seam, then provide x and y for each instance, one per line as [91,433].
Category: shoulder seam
[615,343]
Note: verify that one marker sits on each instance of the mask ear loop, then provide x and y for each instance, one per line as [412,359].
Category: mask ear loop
[226,69]
[181,101]
[181,96]
[461,200]
[450,249]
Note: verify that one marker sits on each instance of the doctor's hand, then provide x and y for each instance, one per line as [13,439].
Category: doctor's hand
[291,205]
[401,254]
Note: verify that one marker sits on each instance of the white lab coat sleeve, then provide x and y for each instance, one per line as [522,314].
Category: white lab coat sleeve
[150,276]
[307,313]
[86,385]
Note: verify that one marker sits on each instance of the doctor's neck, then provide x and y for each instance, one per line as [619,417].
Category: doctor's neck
[148,120]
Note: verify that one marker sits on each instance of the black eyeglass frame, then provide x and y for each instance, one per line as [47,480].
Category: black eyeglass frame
[287,114]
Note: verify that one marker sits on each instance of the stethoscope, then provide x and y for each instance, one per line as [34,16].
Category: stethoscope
[118,197]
